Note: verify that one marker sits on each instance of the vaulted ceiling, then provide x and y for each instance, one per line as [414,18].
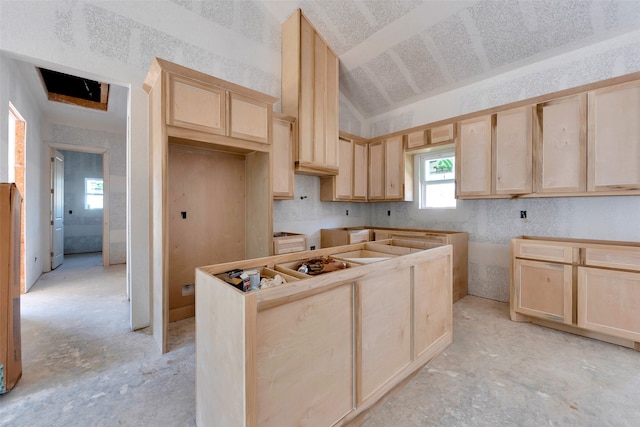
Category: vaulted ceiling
[393,53]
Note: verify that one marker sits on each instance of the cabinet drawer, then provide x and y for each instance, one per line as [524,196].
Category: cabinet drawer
[545,252]
[619,257]
[284,243]
[359,236]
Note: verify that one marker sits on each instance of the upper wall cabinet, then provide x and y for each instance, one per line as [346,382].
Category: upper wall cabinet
[310,94]
[390,171]
[444,134]
[560,128]
[512,152]
[614,138]
[284,139]
[206,107]
[351,182]
[473,157]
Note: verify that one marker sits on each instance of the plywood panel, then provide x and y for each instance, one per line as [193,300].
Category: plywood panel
[416,139]
[345,169]
[384,303]
[305,360]
[360,171]
[394,168]
[625,258]
[283,140]
[376,171]
[305,111]
[209,187]
[319,101]
[331,119]
[432,302]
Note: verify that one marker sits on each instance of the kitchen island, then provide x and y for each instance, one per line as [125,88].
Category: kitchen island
[318,350]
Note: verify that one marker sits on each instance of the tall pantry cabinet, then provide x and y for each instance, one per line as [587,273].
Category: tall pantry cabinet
[211,181]
[310,95]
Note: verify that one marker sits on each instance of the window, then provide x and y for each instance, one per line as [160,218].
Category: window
[437,179]
[93,193]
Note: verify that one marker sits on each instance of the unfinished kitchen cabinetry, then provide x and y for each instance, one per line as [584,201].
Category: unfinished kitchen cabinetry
[473,157]
[330,237]
[310,94]
[284,140]
[210,178]
[588,287]
[390,171]
[318,350]
[437,135]
[512,152]
[560,142]
[614,138]
[351,182]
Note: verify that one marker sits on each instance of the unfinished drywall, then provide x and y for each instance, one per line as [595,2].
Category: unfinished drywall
[306,214]
[82,224]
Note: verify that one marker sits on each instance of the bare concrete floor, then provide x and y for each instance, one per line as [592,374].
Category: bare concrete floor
[82,366]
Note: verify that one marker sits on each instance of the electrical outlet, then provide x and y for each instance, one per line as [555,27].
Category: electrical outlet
[347,212]
[523,216]
[388,213]
[313,248]
[188,289]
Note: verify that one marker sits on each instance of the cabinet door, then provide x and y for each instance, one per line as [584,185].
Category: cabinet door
[394,168]
[608,302]
[283,143]
[249,118]
[416,139]
[512,152]
[195,105]
[473,157]
[443,133]
[560,155]
[543,290]
[360,172]
[345,169]
[305,108]
[614,138]
[331,112]
[376,171]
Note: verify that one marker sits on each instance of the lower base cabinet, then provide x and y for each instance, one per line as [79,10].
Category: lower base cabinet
[588,287]
[318,350]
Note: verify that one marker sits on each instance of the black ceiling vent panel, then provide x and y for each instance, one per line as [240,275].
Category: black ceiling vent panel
[75,90]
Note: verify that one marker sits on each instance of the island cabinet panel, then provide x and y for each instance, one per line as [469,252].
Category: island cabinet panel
[587,287]
[196,105]
[318,350]
[432,312]
[304,356]
[385,323]
[614,138]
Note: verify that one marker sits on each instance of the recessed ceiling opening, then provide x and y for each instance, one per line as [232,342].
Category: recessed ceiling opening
[74,90]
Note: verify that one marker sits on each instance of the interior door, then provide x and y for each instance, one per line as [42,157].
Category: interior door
[57,209]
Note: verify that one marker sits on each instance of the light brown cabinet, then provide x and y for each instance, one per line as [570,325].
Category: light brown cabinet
[202,106]
[560,155]
[350,184]
[437,135]
[330,237]
[318,350]
[614,138]
[284,140]
[512,152]
[473,157]
[310,94]
[211,182]
[390,171]
[588,287]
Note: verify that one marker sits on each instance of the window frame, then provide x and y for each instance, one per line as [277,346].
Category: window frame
[88,192]
[423,182]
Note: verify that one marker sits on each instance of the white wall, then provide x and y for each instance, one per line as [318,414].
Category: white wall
[115,42]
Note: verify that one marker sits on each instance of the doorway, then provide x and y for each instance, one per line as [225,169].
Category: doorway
[85,202]
[16,170]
